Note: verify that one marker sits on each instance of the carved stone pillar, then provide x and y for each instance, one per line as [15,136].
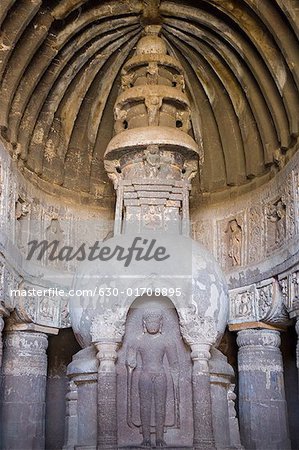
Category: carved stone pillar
[1,342]
[87,411]
[107,412]
[234,430]
[23,389]
[71,417]
[262,404]
[202,404]
[3,313]
[297,346]
[221,374]
[81,401]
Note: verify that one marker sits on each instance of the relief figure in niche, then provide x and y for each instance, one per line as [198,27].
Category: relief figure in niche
[235,243]
[22,209]
[153,105]
[277,215]
[152,160]
[55,233]
[152,386]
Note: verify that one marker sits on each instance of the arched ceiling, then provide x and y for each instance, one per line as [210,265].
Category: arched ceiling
[60,62]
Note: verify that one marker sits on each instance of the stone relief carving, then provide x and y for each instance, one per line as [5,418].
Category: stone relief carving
[288,199]
[255,236]
[179,82]
[152,216]
[108,325]
[127,80]
[196,329]
[152,161]
[152,73]
[243,304]
[200,233]
[289,286]
[262,301]
[235,242]
[230,242]
[22,210]
[54,232]
[276,224]
[152,386]
[153,105]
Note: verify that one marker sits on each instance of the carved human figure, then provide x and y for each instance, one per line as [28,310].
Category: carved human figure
[152,73]
[153,105]
[152,160]
[277,215]
[244,304]
[235,243]
[152,347]
[22,209]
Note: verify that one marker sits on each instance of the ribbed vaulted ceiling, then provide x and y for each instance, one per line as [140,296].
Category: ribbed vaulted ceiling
[59,69]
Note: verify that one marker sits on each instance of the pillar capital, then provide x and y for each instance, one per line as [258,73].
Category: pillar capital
[258,337]
[107,355]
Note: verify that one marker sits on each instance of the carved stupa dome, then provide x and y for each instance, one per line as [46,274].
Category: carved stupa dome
[151,42]
[190,276]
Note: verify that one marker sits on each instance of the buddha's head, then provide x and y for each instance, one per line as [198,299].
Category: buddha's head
[152,322]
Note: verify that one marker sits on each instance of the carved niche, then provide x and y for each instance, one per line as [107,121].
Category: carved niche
[154,376]
[276,225]
[22,222]
[231,242]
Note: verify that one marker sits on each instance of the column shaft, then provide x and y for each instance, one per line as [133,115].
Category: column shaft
[262,405]
[1,340]
[107,412]
[23,389]
[202,404]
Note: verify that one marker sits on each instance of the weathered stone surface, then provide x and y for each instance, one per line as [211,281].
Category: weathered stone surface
[23,390]
[214,99]
[263,413]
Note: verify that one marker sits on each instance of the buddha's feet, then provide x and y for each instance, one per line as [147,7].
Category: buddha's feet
[160,443]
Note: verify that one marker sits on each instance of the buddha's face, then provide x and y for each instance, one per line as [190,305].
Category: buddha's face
[152,324]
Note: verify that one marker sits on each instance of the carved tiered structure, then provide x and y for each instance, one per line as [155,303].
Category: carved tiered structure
[152,157]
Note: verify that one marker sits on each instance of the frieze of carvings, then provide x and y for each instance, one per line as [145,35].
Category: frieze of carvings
[271,307]
[296,199]
[243,304]
[42,306]
[275,224]
[231,242]
[108,326]
[153,105]
[255,220]
[197,329]
[202,231]
[11,281]
[22,208]
[288,198]
[289,286]
[152,161]
[259,302]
